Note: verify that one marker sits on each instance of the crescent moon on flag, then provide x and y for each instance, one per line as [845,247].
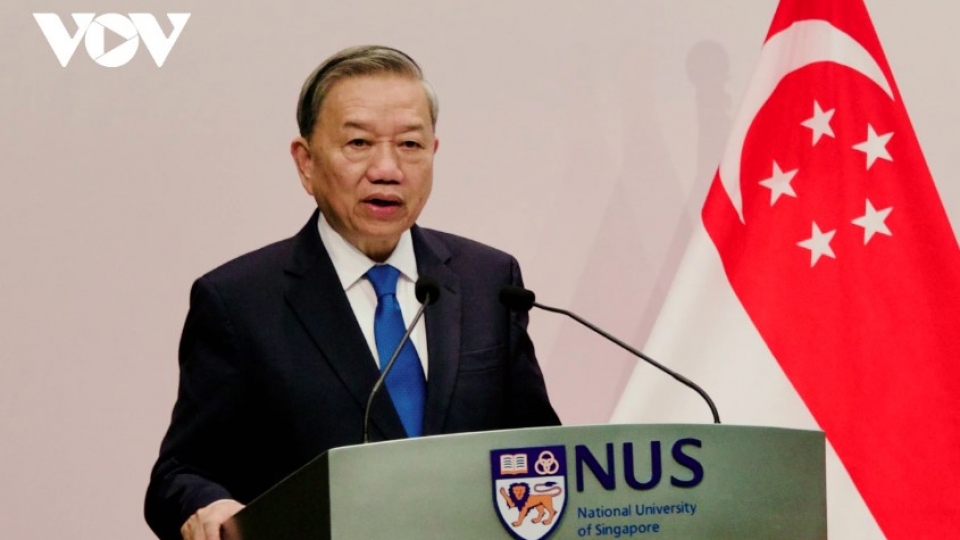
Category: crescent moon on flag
[802,44]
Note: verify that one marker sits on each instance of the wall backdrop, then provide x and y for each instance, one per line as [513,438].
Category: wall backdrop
[580,136]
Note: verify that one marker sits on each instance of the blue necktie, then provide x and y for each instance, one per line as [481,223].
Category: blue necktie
[406,382]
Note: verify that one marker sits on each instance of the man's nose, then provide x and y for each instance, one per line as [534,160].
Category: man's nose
[386,164]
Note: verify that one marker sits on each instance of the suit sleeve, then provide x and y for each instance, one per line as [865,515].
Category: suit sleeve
[530,404]
[194,460]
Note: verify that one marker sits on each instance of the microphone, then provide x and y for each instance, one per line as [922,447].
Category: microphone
[427,291]
[520,299]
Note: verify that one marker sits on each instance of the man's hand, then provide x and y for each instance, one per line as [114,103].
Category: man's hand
[205,523]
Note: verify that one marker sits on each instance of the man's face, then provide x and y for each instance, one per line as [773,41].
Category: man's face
[369,160]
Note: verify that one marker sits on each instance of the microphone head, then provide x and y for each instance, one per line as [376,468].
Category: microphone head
[427,290]
[517,298]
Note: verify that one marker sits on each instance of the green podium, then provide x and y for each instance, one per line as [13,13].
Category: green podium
[662,482]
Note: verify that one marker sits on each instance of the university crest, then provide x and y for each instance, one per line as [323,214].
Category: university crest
[529,489]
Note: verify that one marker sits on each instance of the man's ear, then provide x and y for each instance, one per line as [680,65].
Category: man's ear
[302,158]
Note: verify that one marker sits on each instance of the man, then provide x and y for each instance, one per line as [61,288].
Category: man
[282,346]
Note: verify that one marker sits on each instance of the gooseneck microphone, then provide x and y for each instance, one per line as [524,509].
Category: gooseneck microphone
[520,299]
[427,291]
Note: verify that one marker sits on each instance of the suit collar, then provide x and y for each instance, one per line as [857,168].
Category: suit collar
[318,299]
[443,326]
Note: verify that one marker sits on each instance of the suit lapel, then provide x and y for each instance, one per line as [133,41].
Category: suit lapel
[321,305]
[443,328]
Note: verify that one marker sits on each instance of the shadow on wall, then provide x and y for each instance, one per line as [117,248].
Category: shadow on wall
[629,269]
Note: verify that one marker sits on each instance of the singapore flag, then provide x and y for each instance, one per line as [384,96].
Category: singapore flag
[823,290]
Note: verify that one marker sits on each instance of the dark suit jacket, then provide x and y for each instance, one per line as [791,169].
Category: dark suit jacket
[274,369]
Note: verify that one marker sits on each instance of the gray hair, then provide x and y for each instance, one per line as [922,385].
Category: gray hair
[356,62]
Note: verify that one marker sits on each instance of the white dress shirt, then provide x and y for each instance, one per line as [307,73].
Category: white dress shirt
[351,265]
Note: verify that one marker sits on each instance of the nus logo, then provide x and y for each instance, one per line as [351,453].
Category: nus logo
[93,30]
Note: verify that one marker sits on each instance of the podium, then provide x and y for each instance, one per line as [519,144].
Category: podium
[616,481]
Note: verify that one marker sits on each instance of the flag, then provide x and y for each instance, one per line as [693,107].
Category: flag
[823,289]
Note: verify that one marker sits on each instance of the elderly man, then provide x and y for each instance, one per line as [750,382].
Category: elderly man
[282,346]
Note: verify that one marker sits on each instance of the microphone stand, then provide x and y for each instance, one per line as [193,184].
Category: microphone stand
[680,378]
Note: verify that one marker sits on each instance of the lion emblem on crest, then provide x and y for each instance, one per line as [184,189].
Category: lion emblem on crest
[529,489]
[540,499]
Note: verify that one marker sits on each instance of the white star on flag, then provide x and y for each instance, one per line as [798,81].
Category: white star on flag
[872,222]
[875,146]
[819,123]
[779,183]
[818,244]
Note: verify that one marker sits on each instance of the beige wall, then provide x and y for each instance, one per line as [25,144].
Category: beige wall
[578,135]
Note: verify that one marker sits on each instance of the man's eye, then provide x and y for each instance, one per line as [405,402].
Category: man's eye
[359,143]
[411,144]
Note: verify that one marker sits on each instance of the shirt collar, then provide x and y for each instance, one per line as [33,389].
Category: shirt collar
[351,264]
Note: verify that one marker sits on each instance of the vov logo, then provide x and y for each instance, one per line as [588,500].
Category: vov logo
[92,29]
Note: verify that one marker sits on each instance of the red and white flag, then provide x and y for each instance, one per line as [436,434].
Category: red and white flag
[824,287]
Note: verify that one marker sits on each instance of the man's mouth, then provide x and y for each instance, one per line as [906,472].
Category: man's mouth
[381,202]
